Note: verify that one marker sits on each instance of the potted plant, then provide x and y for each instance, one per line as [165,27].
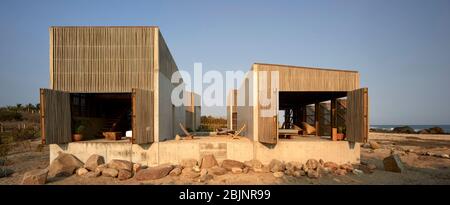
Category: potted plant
[78,135]
[341,133]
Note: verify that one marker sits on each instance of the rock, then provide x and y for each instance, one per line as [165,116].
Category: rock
[236,170]
[331,165]
[188,163]
[312,173]
[429,153]
[404,129]
[340,172]
[374,145]
[98,170]
[444,156]
[4,172]
[424,131]
[312,164]
[175,171]
[35,177]
[278,174]
[323,170]
[124,174]
[93,161]
[189,173]
[276,166]
[254,163]
[154,172]
[136,167]
[366,145]
[196,168]
[64,165]
[245,170]
[120,164]
[92,174]
[208,161]
[298,173]
[348,167]
[82,171]
[357,172]
[371,166]
[205,178]
[216,170]
[229,164]
[110,172]
[203,172]
[321,162]
[393,163]
[436,130]
[293,166]
[177,137]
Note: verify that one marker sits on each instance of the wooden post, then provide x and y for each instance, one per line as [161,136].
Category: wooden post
[333,118]
[316,117]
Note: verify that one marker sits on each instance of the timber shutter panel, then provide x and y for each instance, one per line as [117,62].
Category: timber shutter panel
[142,116]
[55,117]
[357,116]
[268,125]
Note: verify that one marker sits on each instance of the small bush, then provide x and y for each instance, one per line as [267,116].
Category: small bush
[8,115]
[25,134]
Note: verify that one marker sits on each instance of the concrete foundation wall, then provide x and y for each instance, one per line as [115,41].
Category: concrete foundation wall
[242,150]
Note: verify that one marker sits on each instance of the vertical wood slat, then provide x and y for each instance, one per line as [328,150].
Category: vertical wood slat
[101,59]
[55,114]
[268,126]
[142,121]
[357,115]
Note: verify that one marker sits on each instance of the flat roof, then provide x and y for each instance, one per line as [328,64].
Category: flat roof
[293,66]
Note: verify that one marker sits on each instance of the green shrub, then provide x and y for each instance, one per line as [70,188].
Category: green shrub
[8,115]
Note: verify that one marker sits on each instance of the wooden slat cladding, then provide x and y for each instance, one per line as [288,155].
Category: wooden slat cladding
[142,119]
[55,116]
[357,116]
[167,65]
[101,59]
[268,125]
[294,78]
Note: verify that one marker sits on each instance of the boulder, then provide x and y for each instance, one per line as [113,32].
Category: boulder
[208,161]
[229,164]
[254,163]
[154,172]
[374,145]
[404,129]
[81,171]
[436,130]
[308,129]
[277,166]
[203,172]
[188,163]
[35,177]
[124,174]
[324,170]
[92,174]
[312,164]
[298,173]
[196,168]
[216,170]
[64,165]
[348,167]
[393,163]
[120,164]
[110,172]
[236,170]
[98,170]
[424,131]
[137,167]
[357,172]
[245,170]
[312,174]
[293,166]
[93,161]
[340,172]
[444,156]
[189,173]
[278,174]
[331,165]
[175,171]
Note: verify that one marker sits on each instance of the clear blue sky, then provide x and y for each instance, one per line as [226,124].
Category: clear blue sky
[401,48]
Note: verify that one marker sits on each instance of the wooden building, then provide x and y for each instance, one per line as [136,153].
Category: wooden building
[326,98]
[114,78]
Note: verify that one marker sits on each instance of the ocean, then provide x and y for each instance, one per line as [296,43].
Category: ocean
[415,127]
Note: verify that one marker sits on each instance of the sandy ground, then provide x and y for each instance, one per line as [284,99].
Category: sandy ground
[420,169]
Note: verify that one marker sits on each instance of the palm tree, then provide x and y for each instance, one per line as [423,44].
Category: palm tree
[30,107]
[18,106]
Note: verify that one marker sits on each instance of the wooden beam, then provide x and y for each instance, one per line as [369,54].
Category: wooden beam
[333,117]
[316,117]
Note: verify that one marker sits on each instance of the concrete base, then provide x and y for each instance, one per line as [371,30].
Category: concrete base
[243,149]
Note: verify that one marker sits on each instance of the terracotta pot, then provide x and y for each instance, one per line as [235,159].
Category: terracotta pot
[340,136]
[77,137]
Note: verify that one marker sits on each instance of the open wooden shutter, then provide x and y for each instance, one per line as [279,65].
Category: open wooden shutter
[55,117]
[268,125]
[142,120]
[357,115]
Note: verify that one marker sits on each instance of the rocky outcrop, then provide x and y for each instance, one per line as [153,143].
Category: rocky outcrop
[35,177]
[64,165]
[404,129]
